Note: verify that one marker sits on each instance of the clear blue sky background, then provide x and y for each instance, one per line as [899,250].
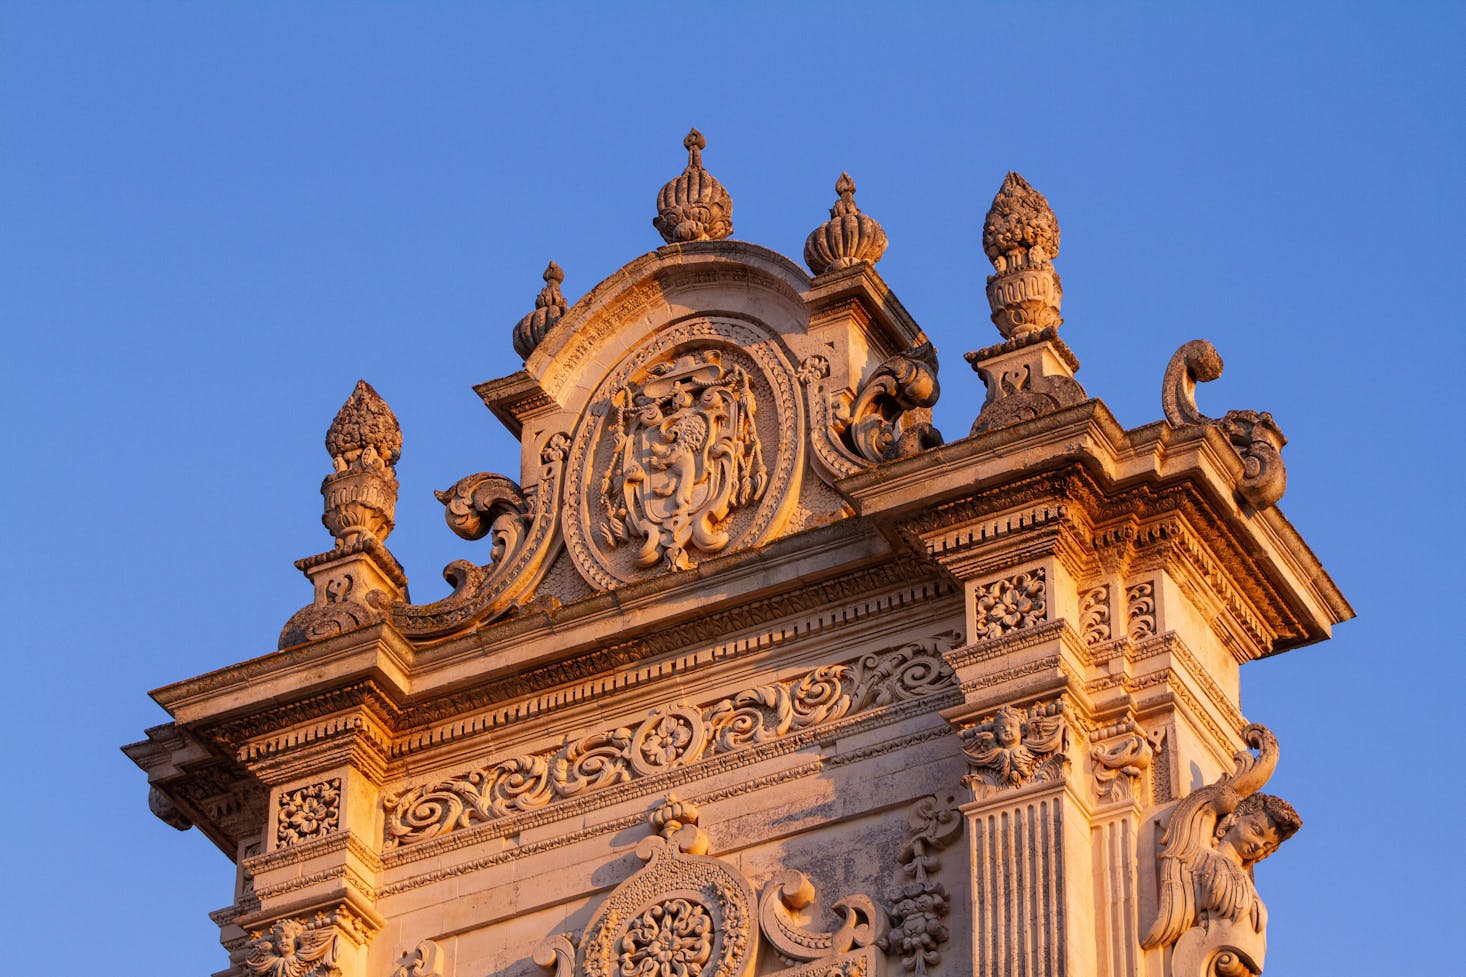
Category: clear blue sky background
[215,218]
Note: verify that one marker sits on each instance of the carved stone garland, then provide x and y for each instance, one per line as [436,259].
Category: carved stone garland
[672,736]
[687,914]
[919,908]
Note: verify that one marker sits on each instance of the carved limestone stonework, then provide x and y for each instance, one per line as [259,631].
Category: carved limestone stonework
[425,960]
[359,577]
[1017,747]
[549,306]
[734,558]
[688,914]
[1021,237]
[1255,435]
[919,908]
[686,454]
[294,948]
[1208,910]
[1012,603]
[1122,760]
[672,736]
[694,206]
[847,238]
[308,812]
[690,451]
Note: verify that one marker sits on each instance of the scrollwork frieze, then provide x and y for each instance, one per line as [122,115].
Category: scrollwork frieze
[671,737]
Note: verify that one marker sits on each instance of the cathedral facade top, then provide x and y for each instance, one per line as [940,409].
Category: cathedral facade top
[738,563]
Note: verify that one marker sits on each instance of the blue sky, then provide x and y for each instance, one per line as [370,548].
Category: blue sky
[215,218]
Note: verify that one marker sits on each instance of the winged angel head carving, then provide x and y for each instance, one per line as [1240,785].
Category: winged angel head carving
[1017,746]
[292,948]
[1215,836]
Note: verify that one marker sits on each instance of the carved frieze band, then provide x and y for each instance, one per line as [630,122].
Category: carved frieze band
[671,736]
[1017,746]
[1012,603]
[307,813]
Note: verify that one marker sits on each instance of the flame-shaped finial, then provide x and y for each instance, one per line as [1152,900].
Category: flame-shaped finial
[847,238]
[549,306]
[694,206]
[365,433]
[1021,237]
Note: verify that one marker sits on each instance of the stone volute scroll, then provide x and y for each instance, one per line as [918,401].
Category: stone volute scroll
[686,913]
[1031,372]
[1208,910]
[358,578]
[1254,434]
[694,206]
[890,415]
[549,306]
[847,238]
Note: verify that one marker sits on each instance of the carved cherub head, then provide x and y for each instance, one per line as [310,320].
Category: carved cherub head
[1258,826]
[1008,727]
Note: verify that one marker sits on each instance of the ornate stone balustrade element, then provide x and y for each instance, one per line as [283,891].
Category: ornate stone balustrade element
[1016,747]
[919,908]
[307,813]
[1254,434]
[1208,908]
[671,736]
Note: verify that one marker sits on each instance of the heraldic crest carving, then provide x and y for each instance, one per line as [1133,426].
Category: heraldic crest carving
[687,914]
[689,449]
[686,455]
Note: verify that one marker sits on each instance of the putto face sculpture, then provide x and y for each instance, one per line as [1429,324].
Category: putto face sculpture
[686,454]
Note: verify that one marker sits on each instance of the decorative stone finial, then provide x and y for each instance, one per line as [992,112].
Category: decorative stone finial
[365,442]
[694,206]
[1021,238]
[549,306]
[365,433]
[847,238]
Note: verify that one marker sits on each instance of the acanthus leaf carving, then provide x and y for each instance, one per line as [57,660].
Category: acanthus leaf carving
[1011,603]
[1016,747]
[1254,434]
[1208,908]
[671,736]
[308,812]
[1140,611]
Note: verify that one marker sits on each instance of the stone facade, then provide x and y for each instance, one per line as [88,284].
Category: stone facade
[753,673]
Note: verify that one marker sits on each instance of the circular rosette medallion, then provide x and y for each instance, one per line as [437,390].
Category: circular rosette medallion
[688,451]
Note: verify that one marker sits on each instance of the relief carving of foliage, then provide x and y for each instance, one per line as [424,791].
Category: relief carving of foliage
[309,812]
[1015,602]
[1094,615]
[670,737]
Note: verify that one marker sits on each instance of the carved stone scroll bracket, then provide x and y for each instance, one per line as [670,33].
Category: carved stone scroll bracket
[779,914]
[520,523]
[891,414]
[1120,763]
[918,909]
[1207,907]
[1016,747]
[1255,435]
[425,960]
[1025,378]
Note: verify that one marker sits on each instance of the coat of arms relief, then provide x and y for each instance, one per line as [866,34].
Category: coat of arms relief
[686,453]
[691,448]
